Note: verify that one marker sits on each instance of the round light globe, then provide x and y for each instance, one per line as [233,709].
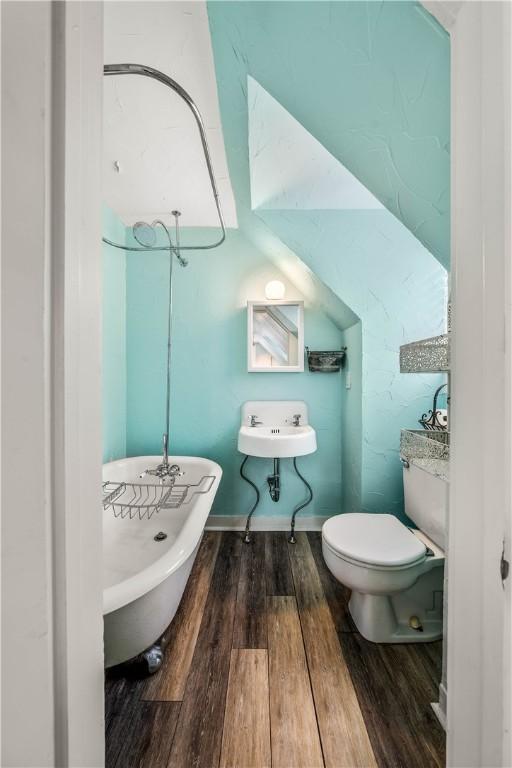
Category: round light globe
[275,290]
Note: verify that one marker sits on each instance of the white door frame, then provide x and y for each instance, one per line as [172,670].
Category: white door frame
[77,330]
[478,711]
[52,649]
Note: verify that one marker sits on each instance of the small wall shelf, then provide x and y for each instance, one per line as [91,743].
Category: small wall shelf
[325,362]
[426,356]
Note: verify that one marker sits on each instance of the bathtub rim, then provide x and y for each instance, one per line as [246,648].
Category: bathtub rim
[124,592]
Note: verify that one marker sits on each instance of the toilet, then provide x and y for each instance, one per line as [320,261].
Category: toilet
[395,572]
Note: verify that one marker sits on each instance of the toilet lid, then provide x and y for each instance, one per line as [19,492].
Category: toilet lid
[373,539]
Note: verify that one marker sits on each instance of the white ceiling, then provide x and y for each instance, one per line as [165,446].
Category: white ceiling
[149,132]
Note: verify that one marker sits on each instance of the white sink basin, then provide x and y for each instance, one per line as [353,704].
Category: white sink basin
[270,430]
[277,442]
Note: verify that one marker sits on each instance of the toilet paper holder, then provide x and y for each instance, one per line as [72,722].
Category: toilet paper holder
[436,419]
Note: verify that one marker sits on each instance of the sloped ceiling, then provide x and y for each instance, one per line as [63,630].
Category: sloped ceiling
[369,80]
[153,161]
[290,169]
[339,73]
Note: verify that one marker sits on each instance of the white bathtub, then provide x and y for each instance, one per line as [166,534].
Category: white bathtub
[144,579]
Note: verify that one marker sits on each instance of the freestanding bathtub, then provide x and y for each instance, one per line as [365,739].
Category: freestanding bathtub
[144,576]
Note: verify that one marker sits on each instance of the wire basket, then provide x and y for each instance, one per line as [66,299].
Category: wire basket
[325,362]
[143,500]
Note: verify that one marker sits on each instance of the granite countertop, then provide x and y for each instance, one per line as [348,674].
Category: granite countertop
[438,467]
[426,356]
[429,451]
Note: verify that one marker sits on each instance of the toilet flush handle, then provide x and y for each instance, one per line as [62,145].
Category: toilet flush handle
[405,462]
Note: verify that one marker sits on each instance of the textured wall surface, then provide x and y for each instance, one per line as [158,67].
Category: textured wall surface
[368,258]
[114,340]
[399,291]
[209,372]
[370,80]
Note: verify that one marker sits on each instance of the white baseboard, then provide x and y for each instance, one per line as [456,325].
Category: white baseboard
[237,523]
[441,716]
[440,706]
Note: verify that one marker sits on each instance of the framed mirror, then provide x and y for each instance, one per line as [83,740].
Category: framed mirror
[275,336]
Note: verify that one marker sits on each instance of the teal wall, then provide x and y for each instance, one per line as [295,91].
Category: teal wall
[114,340]
[374,89]
[370,80]
[209,372]
[398,290]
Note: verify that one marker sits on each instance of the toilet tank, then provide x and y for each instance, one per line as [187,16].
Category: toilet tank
[426,502]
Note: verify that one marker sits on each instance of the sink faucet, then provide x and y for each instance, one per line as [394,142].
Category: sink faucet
[296,420]
[255,422]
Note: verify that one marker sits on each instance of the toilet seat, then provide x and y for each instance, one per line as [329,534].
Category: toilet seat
[373,540]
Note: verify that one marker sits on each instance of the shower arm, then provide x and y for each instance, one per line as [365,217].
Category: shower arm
[155,74]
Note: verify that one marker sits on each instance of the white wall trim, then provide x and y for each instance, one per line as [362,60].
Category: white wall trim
[27,626]
[76,373]
[440,714]
[52,651]
[479,606]
[479,517]
[264,523]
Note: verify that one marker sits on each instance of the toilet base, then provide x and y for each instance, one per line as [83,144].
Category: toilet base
[385,619]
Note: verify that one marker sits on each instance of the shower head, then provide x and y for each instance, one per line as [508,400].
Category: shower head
[144,234]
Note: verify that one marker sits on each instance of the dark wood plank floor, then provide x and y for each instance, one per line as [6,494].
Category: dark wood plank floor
[265,668]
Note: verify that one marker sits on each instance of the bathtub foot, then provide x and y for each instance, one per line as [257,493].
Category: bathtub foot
[153,659]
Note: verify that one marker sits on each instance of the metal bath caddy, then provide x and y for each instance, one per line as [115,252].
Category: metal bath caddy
[325,362]
[142,500]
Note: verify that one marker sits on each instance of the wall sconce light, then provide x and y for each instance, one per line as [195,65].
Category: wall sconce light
[275,290]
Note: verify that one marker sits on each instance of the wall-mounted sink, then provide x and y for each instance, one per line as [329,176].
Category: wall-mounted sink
[276,429]
[277,442]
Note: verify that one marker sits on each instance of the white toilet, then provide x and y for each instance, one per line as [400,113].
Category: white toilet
[395,573]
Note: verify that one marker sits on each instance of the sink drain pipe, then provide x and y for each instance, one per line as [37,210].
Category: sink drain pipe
[274,481]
